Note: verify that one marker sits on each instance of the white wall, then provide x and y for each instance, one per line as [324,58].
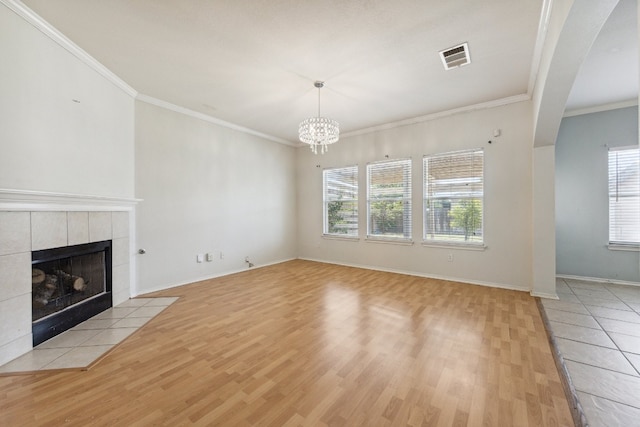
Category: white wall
[582,205]
[508,197]
[48,142]
[543,223]
[206,188]
[50,145]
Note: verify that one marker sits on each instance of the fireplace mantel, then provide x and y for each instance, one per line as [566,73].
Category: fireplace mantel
[27,200]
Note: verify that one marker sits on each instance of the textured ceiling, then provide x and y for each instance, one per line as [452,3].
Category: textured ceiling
[253,62]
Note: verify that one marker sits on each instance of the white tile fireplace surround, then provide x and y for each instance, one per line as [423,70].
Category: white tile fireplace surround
[24,231]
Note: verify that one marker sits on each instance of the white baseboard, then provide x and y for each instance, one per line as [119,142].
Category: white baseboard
[418,274]
[364,266]
[544,295]
[598,280]
[203,278]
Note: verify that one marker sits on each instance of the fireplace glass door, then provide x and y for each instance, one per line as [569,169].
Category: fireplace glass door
[66,283]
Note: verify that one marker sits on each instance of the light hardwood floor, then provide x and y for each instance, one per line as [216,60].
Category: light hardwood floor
[304,343]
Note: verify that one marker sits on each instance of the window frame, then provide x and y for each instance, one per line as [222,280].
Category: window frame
[428,227]
[406,199]
[615,242]
[325,203]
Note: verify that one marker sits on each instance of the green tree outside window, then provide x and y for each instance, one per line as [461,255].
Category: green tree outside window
[467,215]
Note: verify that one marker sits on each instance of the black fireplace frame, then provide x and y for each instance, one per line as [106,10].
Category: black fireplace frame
[56,323]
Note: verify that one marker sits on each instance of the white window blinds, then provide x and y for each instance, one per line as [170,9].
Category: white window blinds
[453,197]
[624,195]
[389,199]
[341,201]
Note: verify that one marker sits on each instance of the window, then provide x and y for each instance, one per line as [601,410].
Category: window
[341,201]
[389,199]
[624,195]
[453,197]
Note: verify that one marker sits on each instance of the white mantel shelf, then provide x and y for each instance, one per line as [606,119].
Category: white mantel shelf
[20,200]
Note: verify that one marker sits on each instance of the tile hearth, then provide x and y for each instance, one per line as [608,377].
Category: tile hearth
[80,346]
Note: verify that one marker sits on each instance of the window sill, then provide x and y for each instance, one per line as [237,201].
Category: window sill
[454,245]
[339,237]
[403,242]
[623,247]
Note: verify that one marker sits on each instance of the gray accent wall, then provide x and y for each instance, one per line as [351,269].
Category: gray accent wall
[582,207]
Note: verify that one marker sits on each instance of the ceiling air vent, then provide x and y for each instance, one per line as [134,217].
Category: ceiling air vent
[455,56]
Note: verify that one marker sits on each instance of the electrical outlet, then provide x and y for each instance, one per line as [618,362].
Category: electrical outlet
[221,255]
[450,257]
[209,257]
[199,258]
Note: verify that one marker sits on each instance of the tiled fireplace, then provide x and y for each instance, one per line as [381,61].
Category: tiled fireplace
[25,232]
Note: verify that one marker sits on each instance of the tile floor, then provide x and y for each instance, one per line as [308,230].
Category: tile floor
[596,327]
[82,345]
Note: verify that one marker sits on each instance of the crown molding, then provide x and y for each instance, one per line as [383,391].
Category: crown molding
[600,108]
[48,30]
[543,26]
[201,116]
[481,106]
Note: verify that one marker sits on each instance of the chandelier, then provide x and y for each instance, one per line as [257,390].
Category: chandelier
[319,131]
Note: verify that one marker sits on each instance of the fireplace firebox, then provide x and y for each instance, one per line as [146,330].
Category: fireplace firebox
[69,285]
